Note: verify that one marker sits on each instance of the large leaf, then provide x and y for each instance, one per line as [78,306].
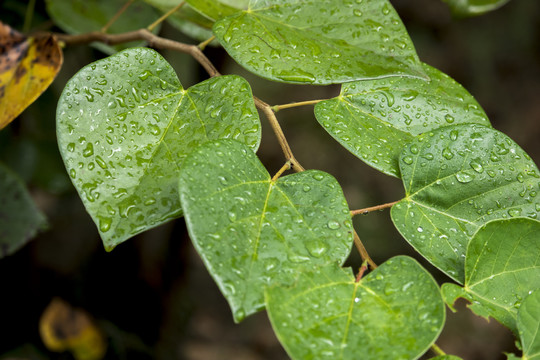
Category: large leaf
[456,179]
[473,7]
[319,41]
[82,16]
[396,312]
[20,219]
[252,231]
[28,65]
[375,119]
[528,324]
[502,267]
[124,126]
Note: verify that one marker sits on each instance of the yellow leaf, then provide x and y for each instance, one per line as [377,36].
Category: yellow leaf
[28,65]
[64,328]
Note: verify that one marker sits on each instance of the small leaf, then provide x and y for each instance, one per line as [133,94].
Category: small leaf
[213,9]
[20,219]
[528,324]
[82,16]
[464,8]
[456,179]
[446,357]
[501,269]
[125,124]
[395,312]
[319,41]
[375,119]
[28,65]
[252,231]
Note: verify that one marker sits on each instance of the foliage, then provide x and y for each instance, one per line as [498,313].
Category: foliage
[141,150]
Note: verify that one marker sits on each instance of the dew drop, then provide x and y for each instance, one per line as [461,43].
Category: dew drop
[105,224]
[447,153]
[408,160]
[464,177]
[316,248]
[334,225]
[449,118]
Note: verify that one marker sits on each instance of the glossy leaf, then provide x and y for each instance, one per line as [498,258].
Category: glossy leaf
[252,231]
[528,323]
[319,41]
[213,9]
[20,219]
[375,119]
[456,179]
[82,16]
[125,124]
[28,65]
[473,7]
[395,312]
[502,268]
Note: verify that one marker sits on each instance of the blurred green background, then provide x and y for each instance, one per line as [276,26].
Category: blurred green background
[152,296]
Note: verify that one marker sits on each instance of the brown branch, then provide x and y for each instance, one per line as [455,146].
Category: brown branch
[284,168]
[373,208]
[165,16]
[141,34]
[363,252]
[271,116]
[116,16]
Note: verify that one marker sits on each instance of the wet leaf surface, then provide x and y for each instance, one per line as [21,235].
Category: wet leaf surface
[456,179]
[319,41]
[82,16]
[251,231]
[395,312]
[528,323]
[28,65]
[502,268]
[20,219]
[124,126]
[375,119]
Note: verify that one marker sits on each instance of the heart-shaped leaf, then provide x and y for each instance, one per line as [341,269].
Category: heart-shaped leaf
[502,267]
[456,179]
[473,7]
[528,324]
[82,16]
[395,312]
[124,126]
[27,67]
[20,219]
[375,119]
[252,231]
[319,41]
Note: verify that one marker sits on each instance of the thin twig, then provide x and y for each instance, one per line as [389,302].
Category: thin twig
[116,16]
[269,113]
[165,16]
[284,168]
[276,108]
[141,34]
[373,208]
[361,271]
[437,350]
[205,43]
[363,252]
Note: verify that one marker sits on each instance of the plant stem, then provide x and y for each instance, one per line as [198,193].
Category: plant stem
[276,108]
[116,16]
[437,350]
[361,271]
[141,34]
[271,116]
[363,252]
[165,16]
[28,16]
[205,43]
[373,208]
[284,168]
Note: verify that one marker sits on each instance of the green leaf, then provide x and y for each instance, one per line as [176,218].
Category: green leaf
[82,16]
[456,179]
[375,119]
[528,324]
[502,267]
[252,231]
[395,312]
[20,219]
[185,13]
[125,124]
[213,9]
[319,41]
[473,7]
[446,357]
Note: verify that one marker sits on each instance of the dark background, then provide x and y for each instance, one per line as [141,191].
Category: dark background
[151,296]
